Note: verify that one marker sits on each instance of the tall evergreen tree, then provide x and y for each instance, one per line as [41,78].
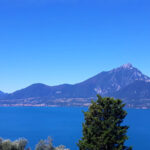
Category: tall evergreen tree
[103,129]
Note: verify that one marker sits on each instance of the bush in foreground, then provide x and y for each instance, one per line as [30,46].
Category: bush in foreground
[22,143]
[15,145]
[48,145]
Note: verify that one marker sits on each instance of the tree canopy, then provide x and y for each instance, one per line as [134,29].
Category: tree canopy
[103,129]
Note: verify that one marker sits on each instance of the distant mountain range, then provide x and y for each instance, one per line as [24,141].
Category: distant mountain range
[125,82]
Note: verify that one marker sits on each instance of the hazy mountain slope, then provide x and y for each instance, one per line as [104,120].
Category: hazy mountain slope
[1,93]
[136,90]
[35,90]
[136,95]
[39,90]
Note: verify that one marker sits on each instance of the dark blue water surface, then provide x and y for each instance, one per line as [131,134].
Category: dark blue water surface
[64,125]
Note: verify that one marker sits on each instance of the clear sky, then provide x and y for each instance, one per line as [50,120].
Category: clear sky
[68,41]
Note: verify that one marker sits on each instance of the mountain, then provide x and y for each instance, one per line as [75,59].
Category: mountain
[114,80]
[121,83]
[135,94]
[2,93]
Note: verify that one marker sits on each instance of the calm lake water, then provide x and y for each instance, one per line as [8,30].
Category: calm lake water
[64,125]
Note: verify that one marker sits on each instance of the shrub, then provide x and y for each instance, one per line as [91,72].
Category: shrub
[16,145]
[48,145]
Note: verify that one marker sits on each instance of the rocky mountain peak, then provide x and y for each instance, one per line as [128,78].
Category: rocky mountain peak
[128,66]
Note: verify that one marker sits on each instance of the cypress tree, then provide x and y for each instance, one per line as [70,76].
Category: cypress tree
[103,129]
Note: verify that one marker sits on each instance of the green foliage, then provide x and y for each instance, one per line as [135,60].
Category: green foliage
[6,145]
[61,147]
[45,145]
[48,145]
[103,129]
[16,145]
[21,145]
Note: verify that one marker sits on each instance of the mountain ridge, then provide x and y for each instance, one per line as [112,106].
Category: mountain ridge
[107,83]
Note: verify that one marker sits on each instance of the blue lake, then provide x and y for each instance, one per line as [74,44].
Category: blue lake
[64,125]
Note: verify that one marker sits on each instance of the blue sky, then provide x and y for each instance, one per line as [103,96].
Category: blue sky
[68,41]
